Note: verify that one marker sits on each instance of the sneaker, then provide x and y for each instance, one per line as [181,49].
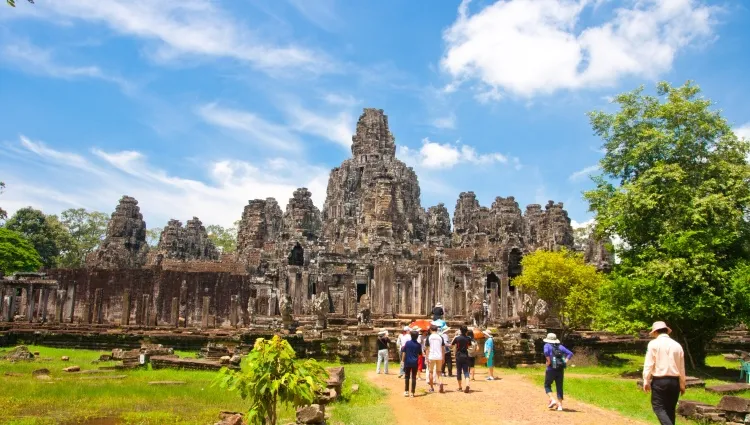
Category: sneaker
[460,389]
[559,408]
[406,393]
[431,390]
[411,395]
[442,391]
[552,404]
[466,390]
[400,376]
[489,378]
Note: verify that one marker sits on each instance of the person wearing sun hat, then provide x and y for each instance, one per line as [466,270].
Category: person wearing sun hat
[489,353]
[557,358]
[664,373]
[383,342]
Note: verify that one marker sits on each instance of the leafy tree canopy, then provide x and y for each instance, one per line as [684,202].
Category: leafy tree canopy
[16,253]
[224,238]
[675,186]
[562,279]
[87,229]
[46,234]
[153,235]
[271,375]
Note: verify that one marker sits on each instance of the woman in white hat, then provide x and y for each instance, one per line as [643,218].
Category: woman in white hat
[557,358]
[489,353]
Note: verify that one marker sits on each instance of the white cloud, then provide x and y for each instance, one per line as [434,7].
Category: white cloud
[445,123]
[580,174]
[433,155]
[531,47]
[35,60]
[185,28]
[218,197]
[337,127]
[585,224]
[743,131]
[322,13]
[248,124]
[346,100]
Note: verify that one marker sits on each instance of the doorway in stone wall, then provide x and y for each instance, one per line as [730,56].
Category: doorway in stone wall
[493,282]
[361,290]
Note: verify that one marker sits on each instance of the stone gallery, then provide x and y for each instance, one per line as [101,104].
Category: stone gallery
[374,252]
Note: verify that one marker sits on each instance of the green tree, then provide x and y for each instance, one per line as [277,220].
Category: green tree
[46,234]
[271,375]
[16,253]
[87,230]
[564,280]
[3,213]
[153,235]
[12,3]
[675,186]
[224,238]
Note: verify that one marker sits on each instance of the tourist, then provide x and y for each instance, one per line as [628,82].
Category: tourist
[400,342]
[410,353]
[473,353]
[557,358]
[664,373]
[438,312]
[383,342]
[448,354]
[489,353]
[462,343]
[421,341]
[435,357]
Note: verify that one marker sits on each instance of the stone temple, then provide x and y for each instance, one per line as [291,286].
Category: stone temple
[372,248]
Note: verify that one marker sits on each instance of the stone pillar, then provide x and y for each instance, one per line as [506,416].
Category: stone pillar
[206,308]
[97,316]
[87,311]
[30,301]
[43,300]
[60,305]
[504,296]
[146,310]
[183,302]
[175,312]
[493,304]
[7,308]
[125,319]
[72,303]
[234,307]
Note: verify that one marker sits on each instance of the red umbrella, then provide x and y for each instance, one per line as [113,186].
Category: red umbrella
[423,324]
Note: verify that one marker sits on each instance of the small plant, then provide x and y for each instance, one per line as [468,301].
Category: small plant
[273,375]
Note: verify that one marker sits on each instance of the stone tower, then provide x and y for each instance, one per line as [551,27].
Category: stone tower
[125,245]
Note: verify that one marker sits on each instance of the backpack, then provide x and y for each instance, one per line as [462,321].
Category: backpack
[473,348]
[558,357]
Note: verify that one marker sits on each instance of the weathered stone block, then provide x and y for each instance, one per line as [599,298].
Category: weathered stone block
[312,414]
[734,404]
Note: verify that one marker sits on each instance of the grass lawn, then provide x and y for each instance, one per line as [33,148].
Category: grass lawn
[78,398]
[602,385]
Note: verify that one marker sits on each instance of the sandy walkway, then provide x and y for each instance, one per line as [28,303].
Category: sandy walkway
[512,400]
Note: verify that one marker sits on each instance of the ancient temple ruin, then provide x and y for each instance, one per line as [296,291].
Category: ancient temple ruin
[373,243]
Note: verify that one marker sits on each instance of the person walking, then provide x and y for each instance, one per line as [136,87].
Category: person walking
[438,311]
[473,353]
[664,373]
[448,361]
[461,344]
[382,342]
[489,353]
[435,357]
[421,339]
[557,358]
[400,342]
[410,353]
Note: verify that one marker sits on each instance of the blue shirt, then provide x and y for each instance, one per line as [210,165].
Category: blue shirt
[412,349]
[489,348]
[548,353]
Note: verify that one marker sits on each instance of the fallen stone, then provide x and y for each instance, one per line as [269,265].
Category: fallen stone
[72,369]
[355,388]
[43,377]
[105,357]
[36,354]
[65,358]
[236,360]
[312,414]
[167,383]
[688,408]
[336,376]
[734,404]
[20,352]
[729,388]
[224,359]
[235,419]
[38,372]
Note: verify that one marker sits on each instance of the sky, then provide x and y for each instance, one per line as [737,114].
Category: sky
[194,107]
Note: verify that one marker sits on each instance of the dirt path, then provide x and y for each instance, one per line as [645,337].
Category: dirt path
[512,400]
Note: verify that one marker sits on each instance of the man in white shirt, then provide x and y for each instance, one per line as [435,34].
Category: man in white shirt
[664,373]
[435,356]
[400,342]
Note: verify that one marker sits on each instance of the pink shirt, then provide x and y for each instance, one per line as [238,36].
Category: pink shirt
[664,357]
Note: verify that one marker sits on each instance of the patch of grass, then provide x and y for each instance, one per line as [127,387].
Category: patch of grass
[73,398]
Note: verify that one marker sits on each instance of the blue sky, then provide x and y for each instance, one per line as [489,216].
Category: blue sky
[196,106]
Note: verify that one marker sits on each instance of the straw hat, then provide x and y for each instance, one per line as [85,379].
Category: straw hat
[658,326]
[487,333]
[439,304]
[383,332]
[551,339]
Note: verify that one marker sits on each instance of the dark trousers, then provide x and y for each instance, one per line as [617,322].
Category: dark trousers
[556,376]
[462,367]
[664,394]
[410,372]
[448,362]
